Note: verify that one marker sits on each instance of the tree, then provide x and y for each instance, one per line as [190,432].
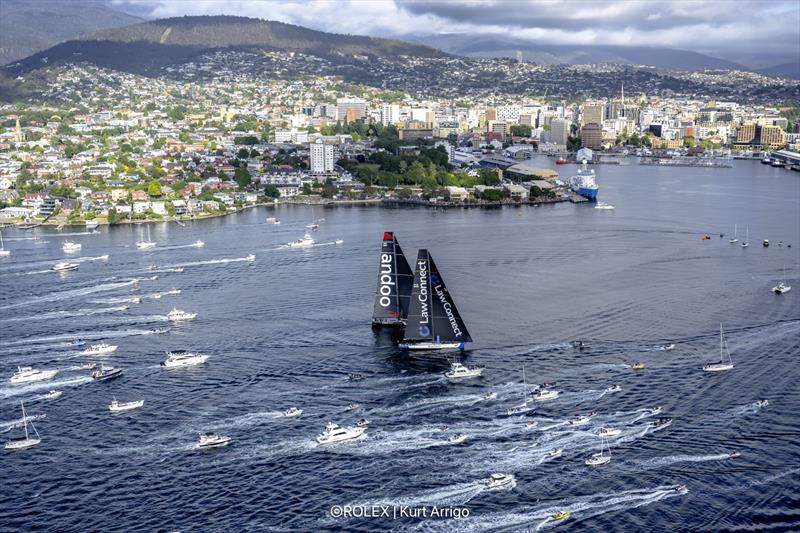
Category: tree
[154,188]
[492,195]
[521,130]
[271,191]
[243,153]
[689,142]
[242,177]
[113,218]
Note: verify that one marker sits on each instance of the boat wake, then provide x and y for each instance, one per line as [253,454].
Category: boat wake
[10,392]
[87,335]
[72,293]
[247,259]
[453,495]
[67,314]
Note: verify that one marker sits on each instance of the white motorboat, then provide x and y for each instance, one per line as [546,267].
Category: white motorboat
[70,246]
[119,407]
[581,420]
[92,224]
[26,374]
[250,258]
[762,403]
[668,347]
[292,412]
[613,388]
[177,315]
[338,241]
[354,407]
[64,266]
[3,251]
[178,358]
[532,424]
[543,395]
[609,433]
[212,440]
[272,220]
[490,396]
[144,245]
[605,206]
[106,373]
[555,452]
[362,423]
[652,411]
[172,292]
[198,243]
[734,454]
[334,433]
[782,287]
[661,423]
[53,395]
[520,409]
[457,439]
[312,226]
[28,441]
[723,365]
[87,366]
[600,458]
[305,242]
[458,372]
[100,349]
[498,480]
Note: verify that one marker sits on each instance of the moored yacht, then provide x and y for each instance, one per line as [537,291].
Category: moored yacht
[100,349]
[212,440]
[334,433]
[600,458]
[26,374]
[499,480]
[782,287]
[3,251]
[458,372]
[119,407]
[177,315]
[178,358]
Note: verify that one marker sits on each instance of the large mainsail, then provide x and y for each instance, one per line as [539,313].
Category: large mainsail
[433,316]
[394,284]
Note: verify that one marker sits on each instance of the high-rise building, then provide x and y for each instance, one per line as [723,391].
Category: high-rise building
[592,114]
[390,113]
[559,129]
[772,136]
[350,109]
[491,114]
[746,134]
[321,157]
[592,136]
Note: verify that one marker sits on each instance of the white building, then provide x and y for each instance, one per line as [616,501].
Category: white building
[390,114]
[321,157]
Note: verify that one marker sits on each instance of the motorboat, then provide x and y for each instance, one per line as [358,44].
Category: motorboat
[355,377]
[198,243]
[27,374]
[250,258]
[498,480]
[78,342]
[581,420]
[762,403]
[734,454]
[70,246]
[354,407]
[362,423]
[723,365]
[305,242]
[334,433]
[172,292]
[520,409]
[176,315]
[679,488]
[555,452]
[100,349]
[668,347]
[87,366]
[765,243]
[292,412]
[490,396]
[53,395]
[92,224]
[28,441]
[178,358]
[605,206]
[312,226]
[64,266]
[272,220]
[705,237]
[543,395]
[781,288]
[212,440]
[608,433]
[561,515]
[106,373]
[119,407]
[613,388]
[458,372]
[457,439]
[661,423]
[652,411]
[580,345]
[338,241]
[532,424]
[637,365]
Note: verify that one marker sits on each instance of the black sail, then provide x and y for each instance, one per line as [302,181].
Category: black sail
[433,315]
[393,291]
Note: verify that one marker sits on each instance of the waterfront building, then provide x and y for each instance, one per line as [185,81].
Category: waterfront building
[321,157]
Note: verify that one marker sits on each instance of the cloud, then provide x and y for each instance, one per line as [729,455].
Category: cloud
[717,27]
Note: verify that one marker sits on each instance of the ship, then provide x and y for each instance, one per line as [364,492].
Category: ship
[393,291]
[433,322]
[583,182]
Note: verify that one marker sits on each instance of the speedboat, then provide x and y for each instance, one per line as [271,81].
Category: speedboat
[250,258]
[362,423]
[543,395]
[355,377]
[354,407]
[762,403]
[734,454]
[313,225]
[637,365]
[177,358]
[64,266]
[70,246]
[292,412]
[176,315]
[555,452]
[561,515]
[532,424]
[661,423]
[79,342]
[457,439]
[212,440]
[597,459]
[490,396]
[92,224]
[652,411]
[668,347]
[334,433]
[26,374]
[765,243]
[198,243]
[458,371]
[306,241]
[781,288]
[608,433]
[144,245]
[603,205]
[53,394]
[338,241]
[272,220]
[99,349]
[581,420]
[87,366]
[172,292]
[497,481]
[118,407]
[580,345]
[679,488]
[613,388]
[106,373]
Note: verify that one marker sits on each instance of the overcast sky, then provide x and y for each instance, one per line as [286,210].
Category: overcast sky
[718,27]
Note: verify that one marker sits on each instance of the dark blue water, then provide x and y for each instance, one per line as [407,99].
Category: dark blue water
[287,329]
